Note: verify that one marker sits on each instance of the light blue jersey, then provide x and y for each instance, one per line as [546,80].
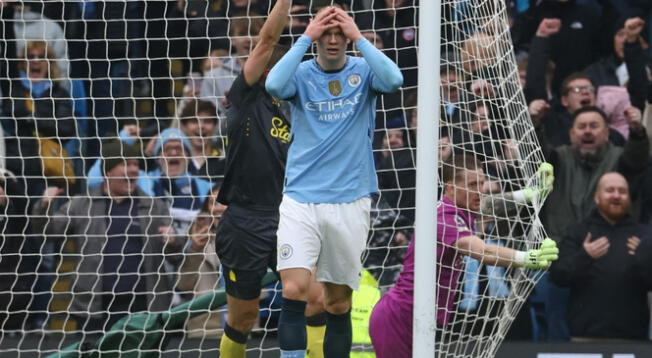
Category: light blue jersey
[330,158]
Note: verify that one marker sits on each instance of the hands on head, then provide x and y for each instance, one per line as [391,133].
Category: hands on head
[330,18]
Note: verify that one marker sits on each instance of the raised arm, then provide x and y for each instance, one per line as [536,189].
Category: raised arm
[387,76]
[279,81]
[268,37]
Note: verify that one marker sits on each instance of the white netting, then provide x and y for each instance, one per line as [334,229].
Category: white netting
[81,75]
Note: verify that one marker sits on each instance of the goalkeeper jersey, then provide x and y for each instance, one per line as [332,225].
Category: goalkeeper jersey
[330,158]
[453,223]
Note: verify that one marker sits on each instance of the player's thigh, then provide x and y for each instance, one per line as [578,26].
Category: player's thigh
[243,284]
[344,240]
[299,239]
[246,240]
[390,330]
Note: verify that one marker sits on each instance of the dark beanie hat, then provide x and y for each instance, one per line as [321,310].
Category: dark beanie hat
[116,152]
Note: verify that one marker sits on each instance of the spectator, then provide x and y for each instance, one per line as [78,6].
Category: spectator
[577,169]
[171,181]
[577,91]
[15,269]
[199,272]
[30,25]
[601,254]
[39,108]
[121,239]
[396,173]
[577,43]
[199,123]
[387,242]
[626,65]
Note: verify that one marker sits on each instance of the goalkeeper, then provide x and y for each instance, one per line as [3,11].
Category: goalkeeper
[390,326]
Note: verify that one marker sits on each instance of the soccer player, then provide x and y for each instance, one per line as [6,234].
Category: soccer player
[259,136]
[390,326]
[324,215]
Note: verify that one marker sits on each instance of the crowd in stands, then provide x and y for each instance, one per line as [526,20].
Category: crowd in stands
[127,193]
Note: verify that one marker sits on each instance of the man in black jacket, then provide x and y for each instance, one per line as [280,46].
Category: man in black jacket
[602,264]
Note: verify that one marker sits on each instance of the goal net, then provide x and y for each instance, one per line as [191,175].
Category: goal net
[85,84]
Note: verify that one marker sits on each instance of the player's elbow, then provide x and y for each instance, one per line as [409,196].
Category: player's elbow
[395,82]
[272,86]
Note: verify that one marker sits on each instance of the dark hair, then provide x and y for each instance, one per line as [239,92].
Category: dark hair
[242,24]
[563,89]
[194,107]
[590,109]
[456,165]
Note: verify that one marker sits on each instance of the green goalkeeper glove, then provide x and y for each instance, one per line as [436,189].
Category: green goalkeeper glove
[545,178]
[541,258]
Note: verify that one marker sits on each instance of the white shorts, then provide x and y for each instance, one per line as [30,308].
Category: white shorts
[329,236]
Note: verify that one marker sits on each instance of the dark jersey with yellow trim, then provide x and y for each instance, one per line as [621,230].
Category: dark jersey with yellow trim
[258,140]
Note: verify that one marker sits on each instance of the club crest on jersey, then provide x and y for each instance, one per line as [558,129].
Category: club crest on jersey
[335,87]
[285,251]
[354,80]
[461,225]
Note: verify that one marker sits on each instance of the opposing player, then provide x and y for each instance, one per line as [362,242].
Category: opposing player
[324,215]
[390,326]
[259,136]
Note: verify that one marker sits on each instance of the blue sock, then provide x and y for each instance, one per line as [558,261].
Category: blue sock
[292,329]
[337,342]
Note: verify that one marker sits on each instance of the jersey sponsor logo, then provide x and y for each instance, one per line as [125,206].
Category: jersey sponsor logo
[330,106]
[280,130]
[285,252]
[335,87]
[354,80]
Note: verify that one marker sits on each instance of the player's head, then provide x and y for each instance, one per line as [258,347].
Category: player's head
[463,181]
[612,196]
[331,46]
[589,133]
[198,121]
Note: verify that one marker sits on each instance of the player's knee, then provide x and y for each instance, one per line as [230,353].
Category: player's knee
[337,305]
[245,321]
[295,290]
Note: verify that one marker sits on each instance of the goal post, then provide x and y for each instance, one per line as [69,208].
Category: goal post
[425,292]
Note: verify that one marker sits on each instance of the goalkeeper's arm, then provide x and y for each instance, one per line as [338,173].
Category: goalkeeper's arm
[494,255]
[504,205]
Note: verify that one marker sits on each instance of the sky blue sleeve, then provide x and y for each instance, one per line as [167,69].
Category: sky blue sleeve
[279,80]
[387,76]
